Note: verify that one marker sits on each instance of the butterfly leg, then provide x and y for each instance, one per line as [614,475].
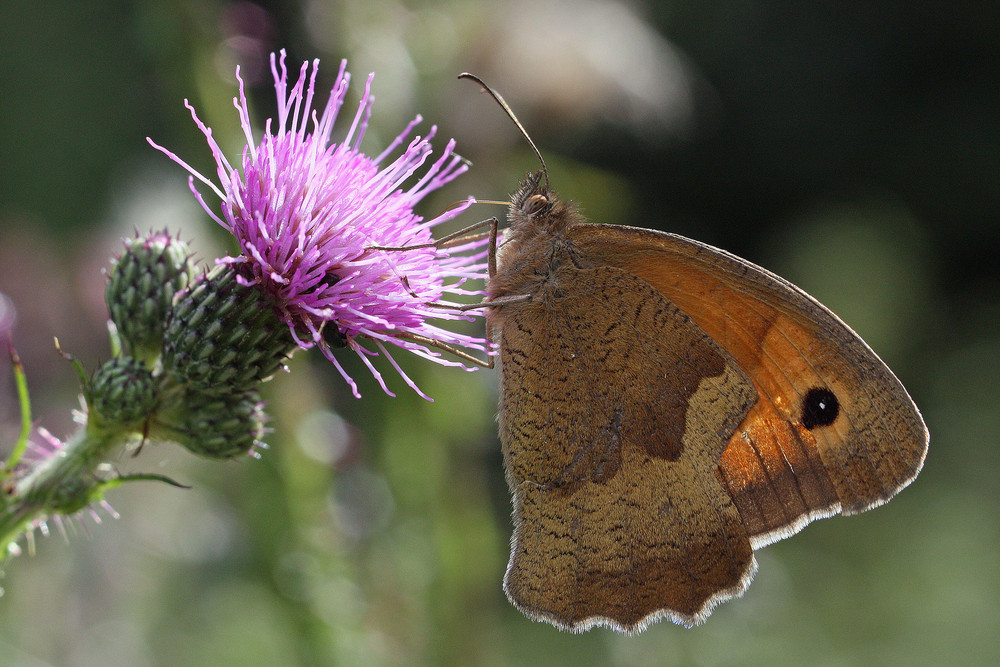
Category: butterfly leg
[456,238]
[463,235]
[451,349]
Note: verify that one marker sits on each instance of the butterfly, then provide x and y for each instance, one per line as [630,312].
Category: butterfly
[666,408]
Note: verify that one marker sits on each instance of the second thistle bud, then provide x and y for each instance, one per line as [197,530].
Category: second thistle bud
[141,290]
[123,393]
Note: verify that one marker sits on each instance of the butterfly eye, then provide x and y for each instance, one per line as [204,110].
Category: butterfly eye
[535,204]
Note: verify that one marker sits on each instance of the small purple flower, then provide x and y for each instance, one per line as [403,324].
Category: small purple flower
[310,213]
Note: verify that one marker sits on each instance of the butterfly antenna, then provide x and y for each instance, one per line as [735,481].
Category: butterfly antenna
[510,114]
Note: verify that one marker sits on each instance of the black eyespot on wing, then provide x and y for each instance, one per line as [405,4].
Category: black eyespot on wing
[820,407]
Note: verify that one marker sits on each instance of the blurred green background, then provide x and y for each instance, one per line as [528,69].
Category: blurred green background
[853,148]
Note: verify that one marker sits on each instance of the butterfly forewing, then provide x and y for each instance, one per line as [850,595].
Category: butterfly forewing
[834,429]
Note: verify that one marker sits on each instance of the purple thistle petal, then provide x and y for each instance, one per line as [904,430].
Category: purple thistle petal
[308,214]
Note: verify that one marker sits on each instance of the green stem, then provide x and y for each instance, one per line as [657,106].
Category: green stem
[22,395]
[65,483]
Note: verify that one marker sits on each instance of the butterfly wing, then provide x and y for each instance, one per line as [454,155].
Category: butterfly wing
[832,431]
[615,410]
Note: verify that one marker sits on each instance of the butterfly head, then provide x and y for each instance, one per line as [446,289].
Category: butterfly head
[535,206]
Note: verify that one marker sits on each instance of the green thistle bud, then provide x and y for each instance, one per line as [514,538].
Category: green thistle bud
[221,426]
[141,290]
[123,393]
[224,336]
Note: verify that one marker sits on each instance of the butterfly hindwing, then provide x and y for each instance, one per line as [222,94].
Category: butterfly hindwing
[617,409]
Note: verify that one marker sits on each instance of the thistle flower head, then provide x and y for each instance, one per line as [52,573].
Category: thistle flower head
[311,214]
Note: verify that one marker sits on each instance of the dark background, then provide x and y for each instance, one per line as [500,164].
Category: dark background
[854,148]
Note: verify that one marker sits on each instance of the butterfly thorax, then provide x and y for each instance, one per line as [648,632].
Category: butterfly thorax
[535,244]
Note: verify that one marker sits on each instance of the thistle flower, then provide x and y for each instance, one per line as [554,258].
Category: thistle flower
[311,216]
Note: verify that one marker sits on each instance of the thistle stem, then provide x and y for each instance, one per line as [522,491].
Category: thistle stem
[64,483]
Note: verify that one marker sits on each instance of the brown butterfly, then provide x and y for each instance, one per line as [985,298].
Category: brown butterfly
[665,409]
